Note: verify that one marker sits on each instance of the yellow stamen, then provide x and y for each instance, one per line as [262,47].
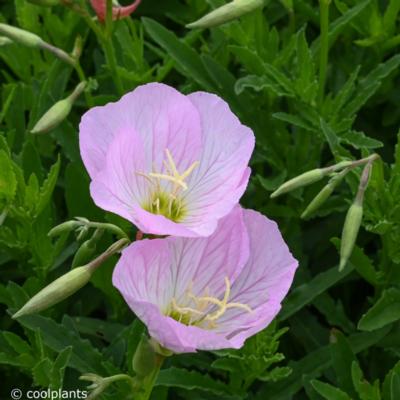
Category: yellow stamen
[173,174]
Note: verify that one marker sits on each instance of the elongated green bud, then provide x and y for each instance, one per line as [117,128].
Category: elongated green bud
[350,231]
[46,3]
[57,291]
[324,194]
[87,249]
[226,13]
[58,112]
[64,227]
[305,179]
[353,219]
[20,36]
[67,284]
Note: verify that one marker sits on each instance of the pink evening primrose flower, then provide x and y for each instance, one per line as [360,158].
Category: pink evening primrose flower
[208,293]
[169,163]
[100,7]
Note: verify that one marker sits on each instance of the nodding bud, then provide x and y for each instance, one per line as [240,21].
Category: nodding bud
[226,13]
[58,112]
[324,194]
[350,231]
[64,227]
[67,284]
[20,36]
[46,3]
[353,219]
[57,291]
[305,179]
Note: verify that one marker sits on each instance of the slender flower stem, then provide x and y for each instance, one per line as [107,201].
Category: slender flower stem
[82,78]
[324,50]
[112,63]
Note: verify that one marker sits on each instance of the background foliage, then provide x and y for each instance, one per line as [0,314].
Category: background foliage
[337,336]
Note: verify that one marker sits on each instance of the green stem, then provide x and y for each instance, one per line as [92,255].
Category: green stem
[82,78]
[324,50]
[147,384]
[112,64]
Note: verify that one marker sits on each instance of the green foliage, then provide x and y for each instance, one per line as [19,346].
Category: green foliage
[341,329]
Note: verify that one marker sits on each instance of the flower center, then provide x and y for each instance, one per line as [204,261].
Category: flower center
[203,311]
[167,200]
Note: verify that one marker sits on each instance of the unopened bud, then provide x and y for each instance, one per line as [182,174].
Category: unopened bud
[20,35]
[64,227]
[350,231]
[353,219]
[57,291]
[67,284]
[58,112]
[226,13]
[87,249]
[305,179]
[46,3]
[323,195]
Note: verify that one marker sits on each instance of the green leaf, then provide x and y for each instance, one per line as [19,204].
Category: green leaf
[365,390]
[306,293]
[385,311]
[360,141]
[8,181]
[329,392]
[180,52]
[60,363]
[190,380]
[48,186]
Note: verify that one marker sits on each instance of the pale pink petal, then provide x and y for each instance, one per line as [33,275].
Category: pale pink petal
[263,282]
[221,177]
[162,118]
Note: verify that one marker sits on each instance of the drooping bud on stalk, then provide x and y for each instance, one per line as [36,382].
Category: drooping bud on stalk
[67,284]
[87,249]
[64,227]
[46,3]
[226,13]
[30,39]
[324,194]
[58,112]
[353,219]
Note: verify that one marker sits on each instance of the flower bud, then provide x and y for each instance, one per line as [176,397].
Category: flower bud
[350,231]
[353,219]
[87,249]
[323,195]
[58,112]
[305,179]
[64,227]
[226,13]
[57,290]
[20,35]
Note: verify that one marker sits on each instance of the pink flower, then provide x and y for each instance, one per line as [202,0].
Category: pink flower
[171,164]
[208,293]
[100,7]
